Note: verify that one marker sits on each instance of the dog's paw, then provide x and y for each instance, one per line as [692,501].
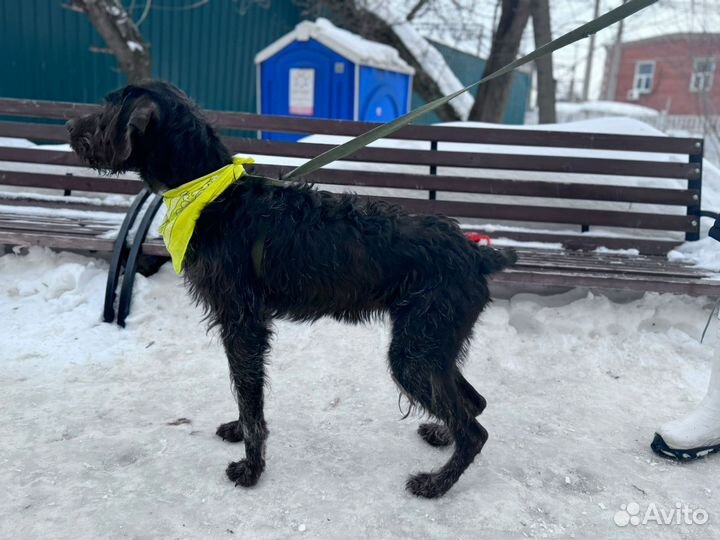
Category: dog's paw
[427,485]
[435,434]
[243,473]
[231,432]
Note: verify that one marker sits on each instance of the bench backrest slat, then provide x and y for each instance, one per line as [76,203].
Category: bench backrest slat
[33,155]
[496,186]
[42,132]
[514,212]
[72,182]
[438,158]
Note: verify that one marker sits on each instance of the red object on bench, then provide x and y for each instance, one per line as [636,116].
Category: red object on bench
[478,238]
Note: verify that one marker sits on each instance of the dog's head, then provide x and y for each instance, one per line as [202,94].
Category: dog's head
[127,132]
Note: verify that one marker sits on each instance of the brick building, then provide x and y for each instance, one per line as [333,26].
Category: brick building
[674,73]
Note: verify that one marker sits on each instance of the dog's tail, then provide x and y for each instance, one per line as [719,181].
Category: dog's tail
[493,260]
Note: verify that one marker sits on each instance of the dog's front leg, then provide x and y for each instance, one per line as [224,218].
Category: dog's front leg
[246,345]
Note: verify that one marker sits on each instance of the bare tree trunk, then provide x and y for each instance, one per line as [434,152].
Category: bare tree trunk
[540,11]
[589,61]
[121,35]
[615,53]
[492,96]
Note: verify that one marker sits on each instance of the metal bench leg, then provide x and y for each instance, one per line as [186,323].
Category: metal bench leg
[132,261]
[118,255]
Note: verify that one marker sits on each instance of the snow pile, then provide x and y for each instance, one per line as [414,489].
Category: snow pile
[371,52]
[570,112]
[704,253]
[351,46]
[134,46]
[110,432]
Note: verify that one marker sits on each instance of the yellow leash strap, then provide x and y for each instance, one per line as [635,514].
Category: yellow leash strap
[186,202]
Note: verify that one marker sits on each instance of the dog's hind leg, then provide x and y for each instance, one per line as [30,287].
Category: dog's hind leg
[475,402]
[246,345]
[230,431]
[436,434]
[423,356]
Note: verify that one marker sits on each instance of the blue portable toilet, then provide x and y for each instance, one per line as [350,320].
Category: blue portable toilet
[321,71]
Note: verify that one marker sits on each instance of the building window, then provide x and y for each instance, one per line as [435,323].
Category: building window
[702,76]
[644,73]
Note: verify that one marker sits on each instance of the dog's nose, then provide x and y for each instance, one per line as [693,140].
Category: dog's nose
[69,125]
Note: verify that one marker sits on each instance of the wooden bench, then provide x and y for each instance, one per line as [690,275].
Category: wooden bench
[566,201]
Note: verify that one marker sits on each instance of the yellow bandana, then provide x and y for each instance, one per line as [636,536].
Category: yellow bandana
[186,202]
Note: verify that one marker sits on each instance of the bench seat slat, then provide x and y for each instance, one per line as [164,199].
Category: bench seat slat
[29,227]
[55,240]
[31,202]
[641,283]
[630,265]
[50,228]
[71,241]
[88,219]
[604,257]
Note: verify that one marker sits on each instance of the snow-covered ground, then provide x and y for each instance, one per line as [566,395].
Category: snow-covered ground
[93,445]
[110,433]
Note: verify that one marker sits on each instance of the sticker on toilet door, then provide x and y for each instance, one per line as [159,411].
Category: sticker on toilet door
[302,91]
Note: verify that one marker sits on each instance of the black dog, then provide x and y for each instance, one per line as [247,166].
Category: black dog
[324,254]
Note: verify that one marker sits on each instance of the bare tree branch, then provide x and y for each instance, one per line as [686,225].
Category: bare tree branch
[416,9]
[121,35]
[144,14]
[186,7]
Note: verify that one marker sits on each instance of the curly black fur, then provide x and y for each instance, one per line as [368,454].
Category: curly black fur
[324,255]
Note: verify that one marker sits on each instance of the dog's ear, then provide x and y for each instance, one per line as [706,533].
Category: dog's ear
[142,114]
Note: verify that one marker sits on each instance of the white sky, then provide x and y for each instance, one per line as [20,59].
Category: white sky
[467,25]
